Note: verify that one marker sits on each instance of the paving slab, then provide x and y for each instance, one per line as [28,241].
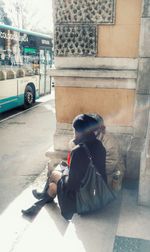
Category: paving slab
[133,232]
[134,220]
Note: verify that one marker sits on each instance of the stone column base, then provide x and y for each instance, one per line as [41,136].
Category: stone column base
[144,185]
[55,156]
[133,158]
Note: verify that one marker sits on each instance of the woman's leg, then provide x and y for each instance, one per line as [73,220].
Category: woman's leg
[49,195]
[54,178]
[53,175]
[52,190]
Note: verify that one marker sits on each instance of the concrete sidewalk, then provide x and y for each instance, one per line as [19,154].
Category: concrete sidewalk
[120,227]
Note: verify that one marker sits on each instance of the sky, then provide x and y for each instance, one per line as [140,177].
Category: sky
[44,13]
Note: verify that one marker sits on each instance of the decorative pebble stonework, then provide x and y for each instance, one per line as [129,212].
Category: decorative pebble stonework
[85,11]
[75,40]
[76,24]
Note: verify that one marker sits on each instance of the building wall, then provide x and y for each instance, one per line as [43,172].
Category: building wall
[100,60]
[115,105]
[118,39]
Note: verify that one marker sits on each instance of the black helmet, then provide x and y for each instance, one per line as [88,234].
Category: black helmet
[97,117]
[85,123]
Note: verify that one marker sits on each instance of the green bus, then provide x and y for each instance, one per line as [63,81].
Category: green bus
[25,58]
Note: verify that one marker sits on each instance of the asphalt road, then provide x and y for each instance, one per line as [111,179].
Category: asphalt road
[24,139]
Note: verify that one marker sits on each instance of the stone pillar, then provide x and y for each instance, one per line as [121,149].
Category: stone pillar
[98,70]
[144,185]
[142,101]
[143,91]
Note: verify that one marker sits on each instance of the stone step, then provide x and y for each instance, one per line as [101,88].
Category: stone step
[92,233]
[120,227]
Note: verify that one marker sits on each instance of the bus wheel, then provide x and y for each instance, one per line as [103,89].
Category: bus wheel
[29,97]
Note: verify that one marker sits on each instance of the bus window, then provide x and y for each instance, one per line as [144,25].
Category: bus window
[42,71]
[48,66]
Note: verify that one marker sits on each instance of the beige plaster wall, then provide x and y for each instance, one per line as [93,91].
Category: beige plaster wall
[115,105]
[122,38]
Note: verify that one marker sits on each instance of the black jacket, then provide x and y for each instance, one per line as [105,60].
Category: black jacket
[79,163]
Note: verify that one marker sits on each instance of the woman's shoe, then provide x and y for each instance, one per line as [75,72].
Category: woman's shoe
[33,210]
[38,195]
[47,198]
[41,195]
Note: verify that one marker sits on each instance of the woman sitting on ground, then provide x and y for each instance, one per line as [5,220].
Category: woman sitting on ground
[84,127]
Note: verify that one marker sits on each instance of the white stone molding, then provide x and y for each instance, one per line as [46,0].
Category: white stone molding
[95,83]
[121,74]
[96,62]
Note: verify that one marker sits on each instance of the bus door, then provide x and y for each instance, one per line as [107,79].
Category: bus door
[45,64]
[42,71]
[47,77]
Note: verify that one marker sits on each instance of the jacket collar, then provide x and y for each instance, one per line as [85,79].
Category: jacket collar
[90,137]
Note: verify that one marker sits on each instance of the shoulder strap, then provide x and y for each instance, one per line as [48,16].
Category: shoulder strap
[88,153]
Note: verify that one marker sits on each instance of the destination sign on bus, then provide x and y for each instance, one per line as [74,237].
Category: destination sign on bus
[16,37]
[45,42]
